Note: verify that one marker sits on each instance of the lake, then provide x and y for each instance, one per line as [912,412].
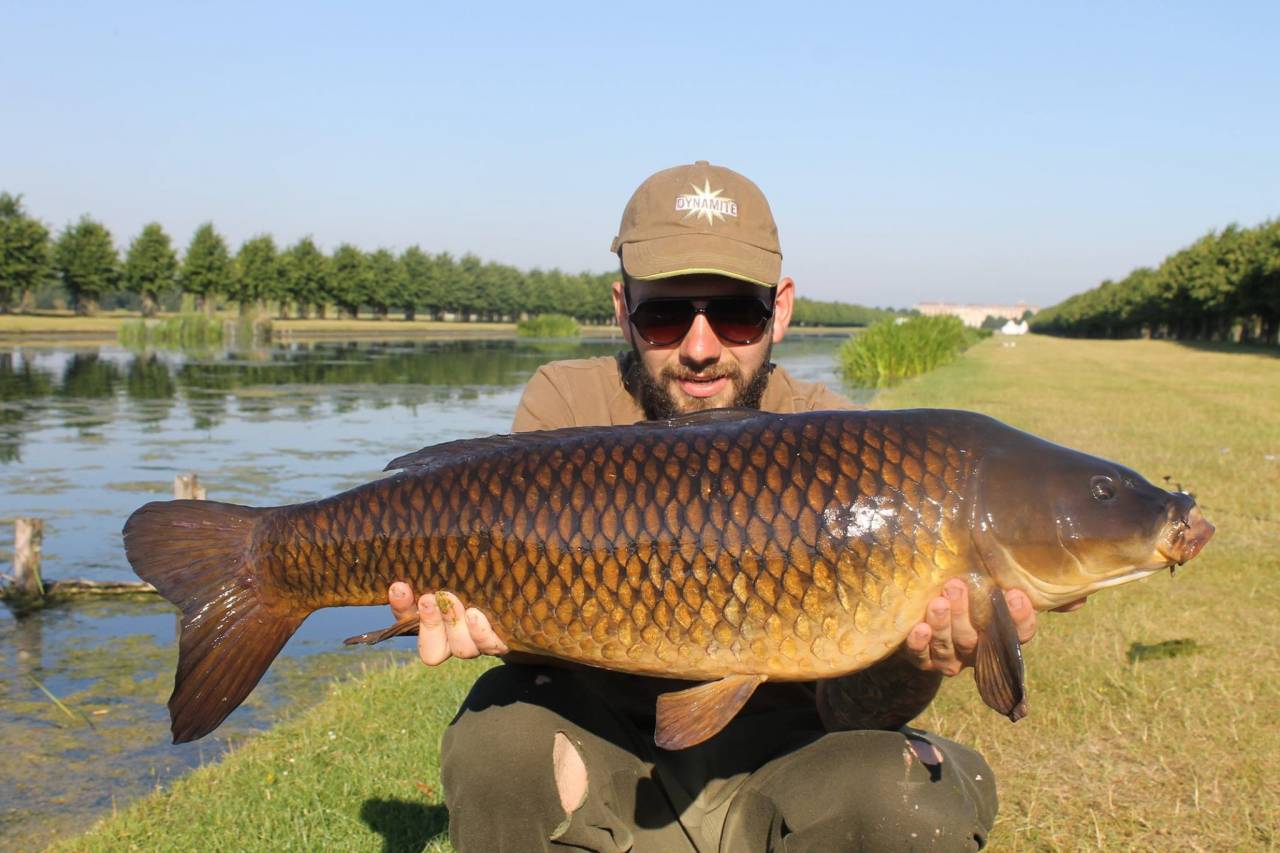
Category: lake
[88,434]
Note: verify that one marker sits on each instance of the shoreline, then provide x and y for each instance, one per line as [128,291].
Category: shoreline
[53,328]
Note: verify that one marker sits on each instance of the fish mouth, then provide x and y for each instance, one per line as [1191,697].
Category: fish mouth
[1187,538]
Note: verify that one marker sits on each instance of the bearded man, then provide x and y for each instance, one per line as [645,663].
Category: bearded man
[552,758]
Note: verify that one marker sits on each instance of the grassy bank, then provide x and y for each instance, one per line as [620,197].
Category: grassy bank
[359,771]
[1152,720]
[1125,748]
[63,323]
[55,326]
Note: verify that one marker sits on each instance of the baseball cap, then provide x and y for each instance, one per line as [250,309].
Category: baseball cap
[699,218]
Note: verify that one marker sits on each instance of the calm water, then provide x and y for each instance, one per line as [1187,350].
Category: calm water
[89,434]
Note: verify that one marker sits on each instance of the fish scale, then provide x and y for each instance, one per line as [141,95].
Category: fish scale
[695,552]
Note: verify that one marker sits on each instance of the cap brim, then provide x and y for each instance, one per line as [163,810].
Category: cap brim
[692,254]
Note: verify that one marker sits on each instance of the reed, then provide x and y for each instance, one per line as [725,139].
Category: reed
[195,331]
[549,326]
[893,350]
[186,331]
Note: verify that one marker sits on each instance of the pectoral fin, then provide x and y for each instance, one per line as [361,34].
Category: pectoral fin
[999,672]
[688,717]
[405,626]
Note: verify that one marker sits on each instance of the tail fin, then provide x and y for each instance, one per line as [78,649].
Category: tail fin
[197,555]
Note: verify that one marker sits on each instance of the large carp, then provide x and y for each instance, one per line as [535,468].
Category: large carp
[727,547]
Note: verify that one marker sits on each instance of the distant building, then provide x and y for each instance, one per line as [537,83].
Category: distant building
[973,315]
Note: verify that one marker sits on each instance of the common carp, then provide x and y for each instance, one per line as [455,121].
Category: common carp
[727,547]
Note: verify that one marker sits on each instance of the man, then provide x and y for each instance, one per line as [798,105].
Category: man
[543,758]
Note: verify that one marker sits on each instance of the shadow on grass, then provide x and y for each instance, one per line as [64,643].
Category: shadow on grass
[1168,649]
[405,826]
[1230,348]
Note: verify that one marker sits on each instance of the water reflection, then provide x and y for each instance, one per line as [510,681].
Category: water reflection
[75,383]
[89,434]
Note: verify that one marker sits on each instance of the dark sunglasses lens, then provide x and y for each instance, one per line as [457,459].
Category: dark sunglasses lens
[739,321]
[663,322]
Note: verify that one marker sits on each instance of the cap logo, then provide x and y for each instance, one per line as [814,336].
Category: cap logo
[706,204]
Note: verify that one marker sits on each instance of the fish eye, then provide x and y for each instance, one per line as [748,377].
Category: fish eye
[1102,488]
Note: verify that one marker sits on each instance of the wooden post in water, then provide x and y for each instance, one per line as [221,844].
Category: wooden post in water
[187,487]
[28,539]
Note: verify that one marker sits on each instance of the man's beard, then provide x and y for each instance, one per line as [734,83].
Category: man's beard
[657,402]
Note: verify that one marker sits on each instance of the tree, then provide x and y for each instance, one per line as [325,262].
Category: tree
[349,279]
[25,258]
[443,269]
[206,268]
[461,294]
[87,263]
[419,282]
[306,277]
[150,267]
[386,284]
[257,273]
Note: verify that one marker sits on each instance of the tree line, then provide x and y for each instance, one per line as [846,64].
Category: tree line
[301,280]
[1224,286]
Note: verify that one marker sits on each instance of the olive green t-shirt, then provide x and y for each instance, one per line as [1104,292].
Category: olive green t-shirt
[590,392]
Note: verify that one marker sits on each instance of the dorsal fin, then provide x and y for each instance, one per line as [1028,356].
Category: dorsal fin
[711,416]
[454,451]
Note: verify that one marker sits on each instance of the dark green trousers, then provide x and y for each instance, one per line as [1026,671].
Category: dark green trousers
[772,780]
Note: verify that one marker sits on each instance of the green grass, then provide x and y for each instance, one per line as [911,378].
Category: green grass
[896,349]
[548,326]
[182,330]
[1127,747]
[360,771]
[1153,709]
[62,323]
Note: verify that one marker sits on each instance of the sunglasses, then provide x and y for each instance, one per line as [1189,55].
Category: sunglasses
[734,319]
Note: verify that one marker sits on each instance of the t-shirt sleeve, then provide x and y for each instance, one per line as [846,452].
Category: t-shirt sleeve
[542,406]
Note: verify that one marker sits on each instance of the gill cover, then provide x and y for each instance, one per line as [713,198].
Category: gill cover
[1061,524]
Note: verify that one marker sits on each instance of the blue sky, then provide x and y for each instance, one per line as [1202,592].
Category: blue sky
[965,152]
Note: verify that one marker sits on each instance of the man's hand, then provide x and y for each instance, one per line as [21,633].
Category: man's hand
[445,628]
[946,641]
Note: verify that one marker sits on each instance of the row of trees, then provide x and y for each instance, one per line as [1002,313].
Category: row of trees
[1224,286]
[814,312]
[302,278]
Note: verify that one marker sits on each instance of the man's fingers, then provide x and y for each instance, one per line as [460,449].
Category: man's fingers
[916,648]
[400,597]
[433,643]
[482,634]
[963,635]
[455,626]
[1024,615]
[1071,605]
[941,651]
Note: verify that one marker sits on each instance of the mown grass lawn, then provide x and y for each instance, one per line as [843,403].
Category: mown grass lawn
[1154,710]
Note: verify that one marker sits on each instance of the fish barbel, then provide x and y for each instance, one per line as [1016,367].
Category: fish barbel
[727,547]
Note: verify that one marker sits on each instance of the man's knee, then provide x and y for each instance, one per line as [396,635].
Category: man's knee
[498,758]
[868,790]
